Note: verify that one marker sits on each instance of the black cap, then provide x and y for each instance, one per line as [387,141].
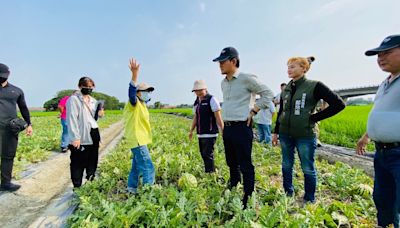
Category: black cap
[227,53]
[388,43]
[4,71]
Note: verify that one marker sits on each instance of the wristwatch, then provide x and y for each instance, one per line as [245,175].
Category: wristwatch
[253,111]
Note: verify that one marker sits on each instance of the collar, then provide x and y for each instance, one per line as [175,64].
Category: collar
[80,96]
[7,84]
[235,75]
[392,80]
[298,82]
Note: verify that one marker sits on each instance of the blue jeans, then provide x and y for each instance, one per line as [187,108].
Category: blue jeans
[306,150]
[64,135]
[141,165]
[264,131]
[387,186]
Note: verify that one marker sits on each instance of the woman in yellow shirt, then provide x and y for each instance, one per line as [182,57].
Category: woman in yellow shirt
[137,130]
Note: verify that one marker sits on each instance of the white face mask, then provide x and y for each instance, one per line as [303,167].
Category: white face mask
[145,96]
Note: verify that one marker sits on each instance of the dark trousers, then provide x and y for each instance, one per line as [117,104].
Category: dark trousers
[207,153]
[238,142]
[387,186]
[8,148]
[85,158]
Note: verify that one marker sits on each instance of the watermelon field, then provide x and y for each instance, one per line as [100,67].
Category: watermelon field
[185,196]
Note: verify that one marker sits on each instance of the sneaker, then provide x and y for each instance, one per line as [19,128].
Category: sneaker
[131,190]
[64,149]
[319,143]
[10,187]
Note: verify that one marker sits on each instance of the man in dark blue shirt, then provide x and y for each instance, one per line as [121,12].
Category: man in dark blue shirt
[10,96]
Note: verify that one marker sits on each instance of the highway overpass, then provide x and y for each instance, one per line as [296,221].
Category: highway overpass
[357,91]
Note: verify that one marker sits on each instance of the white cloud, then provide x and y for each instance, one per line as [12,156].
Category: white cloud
[331,7]
[180,26]
[202,7]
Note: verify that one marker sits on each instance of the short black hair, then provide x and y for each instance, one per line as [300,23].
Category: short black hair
[84,81]
[283,84]
[237,61]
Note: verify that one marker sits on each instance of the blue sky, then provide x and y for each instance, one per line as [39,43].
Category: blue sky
[49,45]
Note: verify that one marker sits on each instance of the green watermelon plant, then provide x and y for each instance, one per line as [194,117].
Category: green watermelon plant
[342,195]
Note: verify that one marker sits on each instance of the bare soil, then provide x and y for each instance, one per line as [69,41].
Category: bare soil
[46,181]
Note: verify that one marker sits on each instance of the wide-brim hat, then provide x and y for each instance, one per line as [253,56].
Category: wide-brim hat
[388,43]
[145,87]
[199,85]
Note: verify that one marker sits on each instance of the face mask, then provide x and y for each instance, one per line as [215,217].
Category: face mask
[86,91]
[145,96]
[2,80]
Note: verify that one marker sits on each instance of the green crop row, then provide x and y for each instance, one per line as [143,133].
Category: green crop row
[347,127]
[56,113]
[343,194]
[180,111]
[343,129]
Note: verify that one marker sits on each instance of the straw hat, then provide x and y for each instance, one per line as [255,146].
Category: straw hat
[144,87]
[198,85]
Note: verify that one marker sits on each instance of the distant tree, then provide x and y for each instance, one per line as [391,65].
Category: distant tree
[359,101]
[184,106]
[111,103]
[157,105]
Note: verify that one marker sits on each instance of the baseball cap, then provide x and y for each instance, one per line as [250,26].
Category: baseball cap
[199,84]
[227,53]
[388,43]
[144,87]
[4,71]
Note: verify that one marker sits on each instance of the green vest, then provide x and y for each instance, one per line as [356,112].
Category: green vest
[295,117]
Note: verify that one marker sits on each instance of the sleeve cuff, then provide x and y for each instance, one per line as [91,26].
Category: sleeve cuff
[133,83]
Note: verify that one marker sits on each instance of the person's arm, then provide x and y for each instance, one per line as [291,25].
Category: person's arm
[61,108]
[220,122]
[192,127]
[266,96]
[23,108]
[277,123]
[362,144]
[134,66]
[336,104]
[132,93]
[216,109]
[72,121]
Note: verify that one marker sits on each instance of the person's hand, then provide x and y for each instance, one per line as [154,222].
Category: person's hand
[190,135]
[101,112]
[362,144]
[29,130]
[76,143]
[274,139]
[250,118]
[134,67]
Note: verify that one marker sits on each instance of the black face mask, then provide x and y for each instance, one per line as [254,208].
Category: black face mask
[2,80]
[86,91]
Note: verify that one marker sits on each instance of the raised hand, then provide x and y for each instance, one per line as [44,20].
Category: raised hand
[134,67]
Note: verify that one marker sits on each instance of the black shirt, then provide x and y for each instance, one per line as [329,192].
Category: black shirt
[321,91]
[10,97]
